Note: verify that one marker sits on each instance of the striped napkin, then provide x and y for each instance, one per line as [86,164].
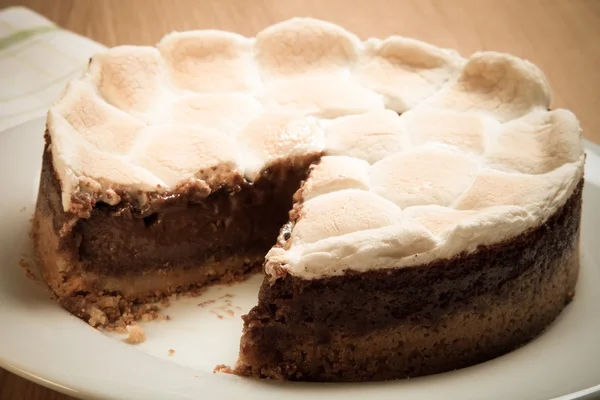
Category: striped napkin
[37,59]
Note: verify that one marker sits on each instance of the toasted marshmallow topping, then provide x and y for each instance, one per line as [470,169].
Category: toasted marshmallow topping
[428,154]
[100,124]
[342,212]
[370,136]
[422,177]
[128,77]
[305,46]
[336,173]
[322,96]
[209,61]
[538,143]
[274,137]
[181,152]
[464,130]
[496,84]
[405,71]
[227,113]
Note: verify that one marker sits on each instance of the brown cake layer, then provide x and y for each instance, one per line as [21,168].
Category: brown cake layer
[415,321]
[179,240]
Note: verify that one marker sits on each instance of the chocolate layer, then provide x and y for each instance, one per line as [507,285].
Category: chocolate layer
[414,321]
[182,231]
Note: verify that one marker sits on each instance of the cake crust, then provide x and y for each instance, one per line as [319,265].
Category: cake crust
[415,321]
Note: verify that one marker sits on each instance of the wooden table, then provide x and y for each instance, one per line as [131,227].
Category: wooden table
[560,36]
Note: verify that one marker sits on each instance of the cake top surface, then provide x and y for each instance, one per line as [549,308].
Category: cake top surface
[427,154]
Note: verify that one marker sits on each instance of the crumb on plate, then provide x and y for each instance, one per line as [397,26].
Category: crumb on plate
[205,303]
[136,334]
[24,264]
[97,317]
[226,369]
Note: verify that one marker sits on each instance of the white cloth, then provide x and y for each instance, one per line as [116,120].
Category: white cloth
[37,59]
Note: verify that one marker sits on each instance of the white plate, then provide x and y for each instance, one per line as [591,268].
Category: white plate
[41,342]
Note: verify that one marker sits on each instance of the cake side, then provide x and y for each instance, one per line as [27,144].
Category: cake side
[104,260]
[408,322]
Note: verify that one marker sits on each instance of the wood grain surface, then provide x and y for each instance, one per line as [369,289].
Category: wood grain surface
[561,36]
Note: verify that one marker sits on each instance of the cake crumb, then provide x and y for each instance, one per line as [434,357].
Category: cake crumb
[136,334]
[147,317]
[168,317]
[97,317]
[228,295]
[24,264]
[226,369]
[108,301]
[230,312]
[205,303]
[171,352]
[195,292]
[146,312]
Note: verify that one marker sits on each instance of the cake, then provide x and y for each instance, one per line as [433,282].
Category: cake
[415,211]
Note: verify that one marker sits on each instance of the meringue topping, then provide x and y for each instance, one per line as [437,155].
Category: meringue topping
[427,154]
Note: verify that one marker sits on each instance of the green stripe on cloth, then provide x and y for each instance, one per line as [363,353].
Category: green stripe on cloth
[23,35]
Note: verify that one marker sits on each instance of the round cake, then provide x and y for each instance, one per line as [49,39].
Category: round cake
[424,207]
